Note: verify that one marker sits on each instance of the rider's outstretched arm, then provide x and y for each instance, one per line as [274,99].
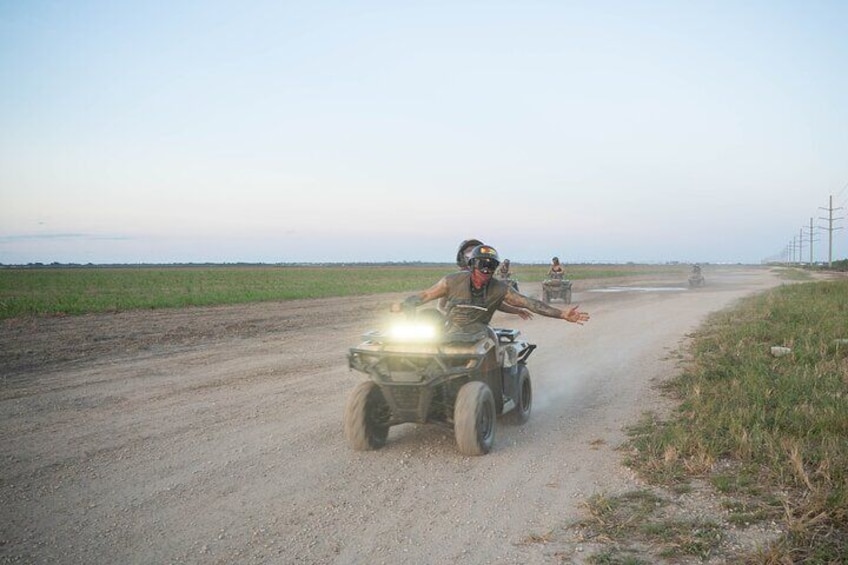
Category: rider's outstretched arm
[523,312]
[572,315]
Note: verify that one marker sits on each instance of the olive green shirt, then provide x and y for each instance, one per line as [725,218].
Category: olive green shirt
[461,293]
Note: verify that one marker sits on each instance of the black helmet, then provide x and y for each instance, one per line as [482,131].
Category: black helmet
[555,260]
[461,261]
[484,258]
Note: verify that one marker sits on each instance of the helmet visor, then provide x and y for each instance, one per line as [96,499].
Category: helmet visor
[486,265]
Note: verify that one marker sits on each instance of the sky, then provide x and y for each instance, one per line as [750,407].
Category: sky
[606,131]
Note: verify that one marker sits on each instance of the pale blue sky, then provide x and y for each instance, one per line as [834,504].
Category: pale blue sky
[387,131]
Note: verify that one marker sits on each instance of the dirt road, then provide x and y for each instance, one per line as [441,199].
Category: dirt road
[214,435]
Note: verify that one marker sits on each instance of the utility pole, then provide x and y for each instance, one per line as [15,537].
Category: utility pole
[812,239]
[830,229]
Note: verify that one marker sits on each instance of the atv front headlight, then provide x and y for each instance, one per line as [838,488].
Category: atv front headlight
[414,332]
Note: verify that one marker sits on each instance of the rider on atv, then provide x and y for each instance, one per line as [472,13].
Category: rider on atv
[556,271]
[479,290]
[463,254]
[504,272]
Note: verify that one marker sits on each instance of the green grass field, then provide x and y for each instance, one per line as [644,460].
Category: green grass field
[80,290]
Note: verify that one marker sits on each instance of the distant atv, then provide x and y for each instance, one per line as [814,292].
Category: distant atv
[556,287]
[421,374]
[696,280]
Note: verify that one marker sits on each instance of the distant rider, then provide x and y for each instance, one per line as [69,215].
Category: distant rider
[504,273]
[556,271]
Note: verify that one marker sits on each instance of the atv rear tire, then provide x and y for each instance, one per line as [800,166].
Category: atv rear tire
[366,417]
[474,418]
[524,397]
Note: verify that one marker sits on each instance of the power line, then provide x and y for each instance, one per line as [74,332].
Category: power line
[842,197]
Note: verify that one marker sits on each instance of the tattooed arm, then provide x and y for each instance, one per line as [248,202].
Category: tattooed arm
[523,312]
[573,315]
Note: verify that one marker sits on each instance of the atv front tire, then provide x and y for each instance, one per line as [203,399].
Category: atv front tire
[474,418]
[366,417]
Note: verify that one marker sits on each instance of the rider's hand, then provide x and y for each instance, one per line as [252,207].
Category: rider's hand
[575,316]
[408,306]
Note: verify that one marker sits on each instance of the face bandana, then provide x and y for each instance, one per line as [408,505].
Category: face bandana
[480,279]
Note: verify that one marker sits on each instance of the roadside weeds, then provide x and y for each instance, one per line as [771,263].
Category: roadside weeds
[752,464]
